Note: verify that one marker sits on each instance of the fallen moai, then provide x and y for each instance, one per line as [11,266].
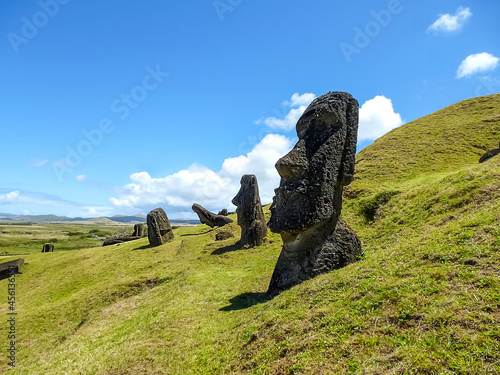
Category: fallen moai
[209,218]
[250,215]
[307,205]
[117,240]
[7,269]
[490,154]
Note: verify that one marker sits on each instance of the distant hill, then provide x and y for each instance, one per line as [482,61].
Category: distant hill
[110,220]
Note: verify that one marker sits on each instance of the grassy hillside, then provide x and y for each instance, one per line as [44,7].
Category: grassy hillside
[425,299]
[441,142]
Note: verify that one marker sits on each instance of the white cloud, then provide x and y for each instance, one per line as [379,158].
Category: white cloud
[297,105]
[376,118]
[37,163]
[477,63]
[213,190]
[11,197]
[81,177]
[92,211]
[450,23]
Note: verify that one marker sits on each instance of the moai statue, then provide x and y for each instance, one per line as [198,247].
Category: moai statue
[209,218]
[48,248]
[250,215]
[490,154]
[138,230]
[307,205]
[159,228]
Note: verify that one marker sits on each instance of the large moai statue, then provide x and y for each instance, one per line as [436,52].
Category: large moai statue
[159,228]
[48,248]
[307,205]
[250,215]
[209,218]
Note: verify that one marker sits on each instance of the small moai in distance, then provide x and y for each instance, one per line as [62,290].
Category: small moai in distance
[223,212]
[48,248]
[139,230]
[209,218]
[159,228]
[250,215]
[307,205]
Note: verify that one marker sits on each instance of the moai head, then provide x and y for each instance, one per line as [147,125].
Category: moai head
[246,198]
[320,164]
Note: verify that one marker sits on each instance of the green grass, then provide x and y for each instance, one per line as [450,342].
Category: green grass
[424,299]
[22,238]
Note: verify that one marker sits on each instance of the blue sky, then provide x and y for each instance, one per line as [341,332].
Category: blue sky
[119,107]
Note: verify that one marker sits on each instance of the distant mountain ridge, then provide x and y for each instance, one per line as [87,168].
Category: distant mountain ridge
[116,219]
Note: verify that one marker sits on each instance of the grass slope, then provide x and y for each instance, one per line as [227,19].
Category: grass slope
[425,299]
[441,142]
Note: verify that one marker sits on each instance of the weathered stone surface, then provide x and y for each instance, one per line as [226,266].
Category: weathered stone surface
[159,228]
[490,154]
[223,235]
[48,248]
[209,218]
[250,215]
[10,268]
[139,230]
[308,202]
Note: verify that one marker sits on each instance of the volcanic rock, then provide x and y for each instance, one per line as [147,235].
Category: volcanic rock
[250,215]
[159,228]
[209,218]
[48,248]
[308,203]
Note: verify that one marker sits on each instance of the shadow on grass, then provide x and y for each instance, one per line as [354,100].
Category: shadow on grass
[197,234]
[227,249]
[245,300]
[148,246]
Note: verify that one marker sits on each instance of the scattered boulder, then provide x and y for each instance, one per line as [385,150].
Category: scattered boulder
[209,218]
[307,205]
[48,248]
[490,154]
[223,235]
[159,228]
[10,268]
[223,212]
[139,230]
[250,215]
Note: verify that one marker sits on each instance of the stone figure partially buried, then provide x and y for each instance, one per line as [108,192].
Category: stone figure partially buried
[307,205]
[250,215]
